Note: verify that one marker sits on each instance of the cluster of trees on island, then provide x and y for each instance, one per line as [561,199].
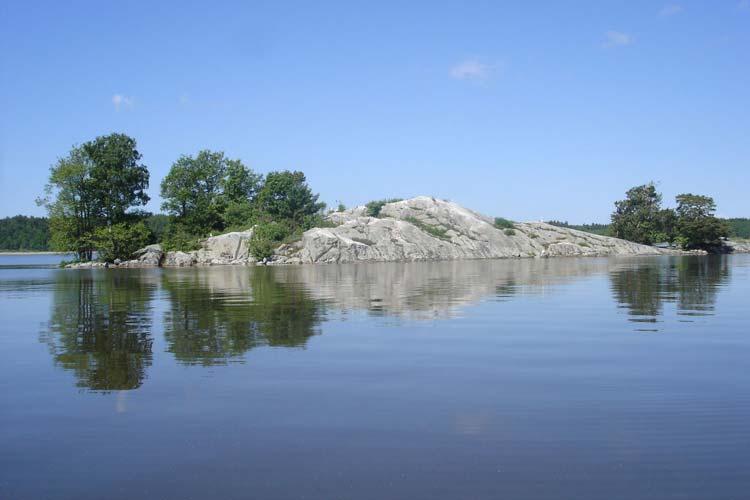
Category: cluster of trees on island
[95,196]
[641,218]
[96,193]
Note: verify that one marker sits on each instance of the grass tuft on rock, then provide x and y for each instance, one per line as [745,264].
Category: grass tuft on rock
[436,231]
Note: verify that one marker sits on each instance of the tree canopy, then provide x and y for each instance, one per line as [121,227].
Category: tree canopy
[94,186]
[692,224]
[209,192]
[637,217]
[696,224]
[286,195]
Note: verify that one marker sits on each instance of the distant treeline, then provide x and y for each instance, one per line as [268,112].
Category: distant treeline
[739,227]
[24,233]
[600,229]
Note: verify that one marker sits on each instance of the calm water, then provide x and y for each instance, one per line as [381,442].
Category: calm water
[531,379]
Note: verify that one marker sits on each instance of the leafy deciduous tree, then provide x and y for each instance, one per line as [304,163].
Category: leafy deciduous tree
[93,187]
[696,224]
[286,195]
[637,217]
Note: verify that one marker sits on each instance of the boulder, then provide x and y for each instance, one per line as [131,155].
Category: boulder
[149,256]
[179,259]
[224,249]
[86,265]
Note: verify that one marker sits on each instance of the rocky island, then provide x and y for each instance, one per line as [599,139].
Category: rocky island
[419,229]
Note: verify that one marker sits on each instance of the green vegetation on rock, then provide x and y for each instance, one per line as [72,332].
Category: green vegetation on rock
[502,223]
[374,207]
[432,230]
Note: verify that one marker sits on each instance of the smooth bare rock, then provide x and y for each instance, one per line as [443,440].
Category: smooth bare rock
[179,259]
[426,228]
[149,256]
[224,249]
[86,265]
[738,246]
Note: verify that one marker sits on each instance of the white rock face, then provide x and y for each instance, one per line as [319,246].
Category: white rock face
[425,228]
[149,256]
[85,265]
[224,249]
[739,246]
[179,259]
[419,229]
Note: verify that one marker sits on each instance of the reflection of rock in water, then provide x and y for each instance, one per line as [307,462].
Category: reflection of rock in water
[435,289]
[218,314]
[100,327]
[101,321]
[643,287]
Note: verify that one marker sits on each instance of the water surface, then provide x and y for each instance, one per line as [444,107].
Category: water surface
[538,379]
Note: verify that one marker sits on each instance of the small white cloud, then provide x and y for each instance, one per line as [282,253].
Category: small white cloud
[617,39]
[120,101]
[471,69]
[671,9]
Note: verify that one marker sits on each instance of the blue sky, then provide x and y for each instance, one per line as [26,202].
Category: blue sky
[529,110]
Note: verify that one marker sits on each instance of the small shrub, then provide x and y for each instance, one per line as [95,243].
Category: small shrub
[178,238]
[268,236]
[509,232]
[374,207]
[502,223]
[341,207]
[584,244]
[436,231]
[272,231]
[120,241]
[261,248]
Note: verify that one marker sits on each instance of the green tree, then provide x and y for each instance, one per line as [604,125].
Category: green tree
[697,226]
[118,179]
[637,217]
[286,196]
[667,226]
[93,187]
[192,189]
[241,186]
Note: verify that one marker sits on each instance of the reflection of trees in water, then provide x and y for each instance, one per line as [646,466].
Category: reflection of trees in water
[692,282]
[210,321]
[100,327]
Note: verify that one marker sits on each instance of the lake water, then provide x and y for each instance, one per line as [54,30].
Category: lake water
[519,379]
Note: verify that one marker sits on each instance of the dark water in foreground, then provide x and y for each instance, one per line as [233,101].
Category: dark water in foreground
[532,379]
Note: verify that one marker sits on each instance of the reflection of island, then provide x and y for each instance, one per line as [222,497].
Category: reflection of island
[423,290]
[218,314]
[643,287]
[101,321]
[100,328]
